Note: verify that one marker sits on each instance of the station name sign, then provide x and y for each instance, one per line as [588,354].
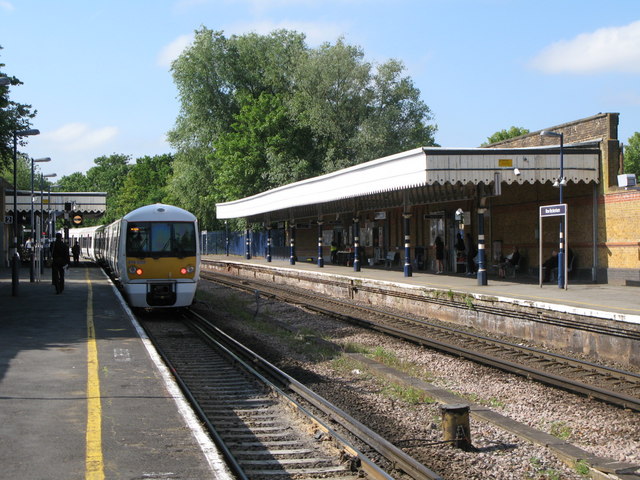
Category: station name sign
[553,210]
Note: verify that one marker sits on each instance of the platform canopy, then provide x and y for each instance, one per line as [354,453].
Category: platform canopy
[418,176]
[86,203]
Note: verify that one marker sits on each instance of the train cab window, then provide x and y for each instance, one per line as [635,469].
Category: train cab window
[138,240]
[160,239]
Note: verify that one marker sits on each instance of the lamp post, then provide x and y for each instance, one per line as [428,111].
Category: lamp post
[15,258]
[560,183]
[34,242]
[42,177]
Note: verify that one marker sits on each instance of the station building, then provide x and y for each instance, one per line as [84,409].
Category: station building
[393,208]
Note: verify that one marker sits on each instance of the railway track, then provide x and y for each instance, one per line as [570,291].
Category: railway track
[263,431]
[613,386]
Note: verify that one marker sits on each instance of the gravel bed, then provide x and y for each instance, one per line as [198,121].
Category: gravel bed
[601,430]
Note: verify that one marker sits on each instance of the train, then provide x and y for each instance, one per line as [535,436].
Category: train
[152,253]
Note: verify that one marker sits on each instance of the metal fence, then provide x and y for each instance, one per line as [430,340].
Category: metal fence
[215,243]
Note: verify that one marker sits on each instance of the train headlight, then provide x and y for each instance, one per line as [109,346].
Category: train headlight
[133,270]
[187,269]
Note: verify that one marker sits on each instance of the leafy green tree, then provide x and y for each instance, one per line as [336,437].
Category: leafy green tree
[108,175]
[505,135]
[263,150]
[145,183]
[13,117]
[632,155]
[76,182]
[260,111]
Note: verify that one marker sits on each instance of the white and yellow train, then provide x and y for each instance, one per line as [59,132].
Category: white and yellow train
[153,253]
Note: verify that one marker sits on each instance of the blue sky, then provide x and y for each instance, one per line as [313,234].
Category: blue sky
[98,71]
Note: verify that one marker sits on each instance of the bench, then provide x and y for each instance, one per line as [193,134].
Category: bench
[554,271]
[515,268]
[390,259]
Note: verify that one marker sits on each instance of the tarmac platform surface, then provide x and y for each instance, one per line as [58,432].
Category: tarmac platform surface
[82,392]
[613,302]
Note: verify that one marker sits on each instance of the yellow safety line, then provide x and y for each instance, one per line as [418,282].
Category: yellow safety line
[94,463]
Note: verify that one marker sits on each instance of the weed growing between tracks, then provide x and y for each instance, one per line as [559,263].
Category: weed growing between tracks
[304,341]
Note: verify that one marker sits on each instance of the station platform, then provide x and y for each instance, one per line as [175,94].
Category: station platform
[83,394]
[611,302]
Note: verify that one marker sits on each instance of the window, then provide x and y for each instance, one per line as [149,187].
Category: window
[161,239]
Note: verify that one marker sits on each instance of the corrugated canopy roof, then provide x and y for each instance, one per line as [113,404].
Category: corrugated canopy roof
[82,202]
[428,166]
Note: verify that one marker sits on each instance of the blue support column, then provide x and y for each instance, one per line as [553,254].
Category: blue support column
[356,244]
[482,259]
[320,257]
[561,250]
[268,244]
[408,271]
[226,238]
[247,244]
[292,246]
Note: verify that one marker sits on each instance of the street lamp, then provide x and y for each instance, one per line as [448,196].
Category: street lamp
[34,242]
[560,183]
[50,227]
[41,257]
[15,259]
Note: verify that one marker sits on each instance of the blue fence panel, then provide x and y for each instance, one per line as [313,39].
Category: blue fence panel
[214,243]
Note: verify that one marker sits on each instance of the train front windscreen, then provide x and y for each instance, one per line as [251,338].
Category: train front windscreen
[161,239]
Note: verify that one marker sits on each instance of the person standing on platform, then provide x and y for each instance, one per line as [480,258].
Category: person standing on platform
[75,250]
[439,246]
[60,256]
[471,253]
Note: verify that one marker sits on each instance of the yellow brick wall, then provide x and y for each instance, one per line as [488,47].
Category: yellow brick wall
[619,230]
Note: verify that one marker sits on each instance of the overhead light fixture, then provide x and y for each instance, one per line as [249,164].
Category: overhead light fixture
[516,171]
[459,212]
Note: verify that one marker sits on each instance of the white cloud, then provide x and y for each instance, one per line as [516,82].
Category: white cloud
[173,50]
[614,49]
[74,137]
[8,6]
[316,33]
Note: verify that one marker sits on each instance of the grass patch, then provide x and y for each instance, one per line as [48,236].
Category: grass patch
[582,468]
[542,472]
[243,309]
[560,430]
[351,347]
[410,395]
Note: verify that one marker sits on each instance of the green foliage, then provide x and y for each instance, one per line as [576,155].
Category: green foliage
[505,135]
[127,186]
[13,117]
[632,155]
[540,471]
[144,184]
[582,468]
[561,430]
[260,111]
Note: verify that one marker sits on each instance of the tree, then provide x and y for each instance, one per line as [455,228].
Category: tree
[505,135]
[632,155]
[260,111]
[76,182]
[145,184]
[13,117]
